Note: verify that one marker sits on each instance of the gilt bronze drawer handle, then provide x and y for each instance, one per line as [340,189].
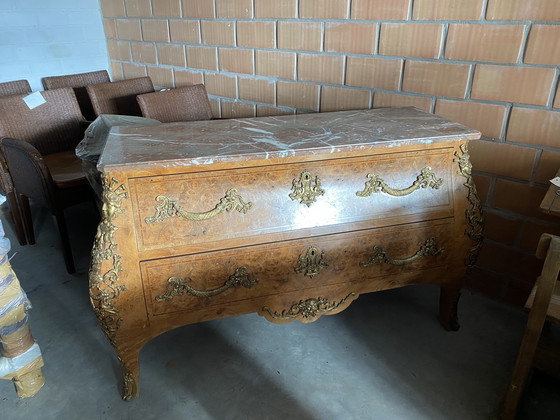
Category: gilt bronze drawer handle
[171,208]
[375,185]
[178,287]
[309,308]
[379,256]
[311,262]
[306,188]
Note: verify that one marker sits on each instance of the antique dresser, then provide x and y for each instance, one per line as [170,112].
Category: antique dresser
[290,217]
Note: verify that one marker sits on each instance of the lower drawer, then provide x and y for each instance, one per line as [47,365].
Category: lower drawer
[198,281]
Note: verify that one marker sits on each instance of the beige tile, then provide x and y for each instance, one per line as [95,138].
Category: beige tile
[275,9]
[487,118]
[276,64]
[187,77]
[388,100]
[234,109]
[323,9]
[240,9]
[113,8]
[353,38]
[218,32]
[221,85]
[155,30]
[185,31]
[110,28]
[502,159]
[161,77]
[305,36]
[321,68]
[501,229]
[543,46]
[482,184]
[557,97]
[338,99]
[436,78]
[271,111]
[132,71]
[547,10]
[144,52]
[532,232]
[494,43]
[129,29]
[198,9]
[298,95]
[527,85]
[257,34]
[379,9]
[116,71]
[235,60]
[379,73]
[447,10]
[257,90]
[517,197]
[202,57]
[166,8]
[410,39]
[215,105]
[118,50]
[534,126]
[548,166]
[138,8]
[171,55]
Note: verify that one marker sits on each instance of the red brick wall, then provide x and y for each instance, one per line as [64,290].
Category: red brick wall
[490,64]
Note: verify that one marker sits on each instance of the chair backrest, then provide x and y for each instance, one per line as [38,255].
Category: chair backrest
[29,173]
[189,103]
[52,127]
[119,97]
[78,82]
[16,87]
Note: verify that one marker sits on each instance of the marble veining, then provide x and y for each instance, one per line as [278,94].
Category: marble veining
[231,140]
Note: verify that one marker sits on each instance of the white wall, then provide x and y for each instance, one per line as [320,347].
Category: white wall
[41,38]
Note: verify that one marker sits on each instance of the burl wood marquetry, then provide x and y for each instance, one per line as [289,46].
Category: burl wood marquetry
[290,217]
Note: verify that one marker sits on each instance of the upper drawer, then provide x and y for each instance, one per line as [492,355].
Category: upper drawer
[188,210]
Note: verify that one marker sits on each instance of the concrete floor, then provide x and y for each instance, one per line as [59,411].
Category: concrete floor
[385,357]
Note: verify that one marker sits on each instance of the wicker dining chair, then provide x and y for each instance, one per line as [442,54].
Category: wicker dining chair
[189,103]
[78,82]
[16,87]
[119,97]
[52,131]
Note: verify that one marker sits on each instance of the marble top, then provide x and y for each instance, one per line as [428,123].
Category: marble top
[231,140]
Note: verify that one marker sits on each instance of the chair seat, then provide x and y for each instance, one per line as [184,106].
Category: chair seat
[66,169]
[553,312]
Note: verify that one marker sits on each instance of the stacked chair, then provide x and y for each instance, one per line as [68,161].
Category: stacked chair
[119,97]
[16,87]
[78,82]
[38,146]
[188,103]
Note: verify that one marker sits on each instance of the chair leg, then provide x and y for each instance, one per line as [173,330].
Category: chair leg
[27,218]
[16,217]
[66,249]
[535,322]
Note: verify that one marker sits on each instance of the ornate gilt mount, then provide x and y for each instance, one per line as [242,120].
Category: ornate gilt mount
[104,285]
[475,218]
[308,309]
[179,287]
[306,188]
[376,185]
[379,255]
[171,208]
[312,262]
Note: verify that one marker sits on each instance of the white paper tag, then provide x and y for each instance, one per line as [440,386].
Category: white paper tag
[556,181]
[34,100]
